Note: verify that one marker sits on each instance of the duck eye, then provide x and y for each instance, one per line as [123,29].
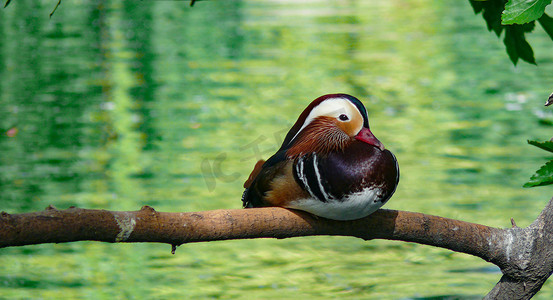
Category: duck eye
[343,117]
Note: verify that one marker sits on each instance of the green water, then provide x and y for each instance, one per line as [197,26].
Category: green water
[120,104]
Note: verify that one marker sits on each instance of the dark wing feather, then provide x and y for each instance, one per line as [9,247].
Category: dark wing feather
[258,184]
[256,170]
[308,176]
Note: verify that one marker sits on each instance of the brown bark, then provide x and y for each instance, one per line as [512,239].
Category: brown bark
[525,256]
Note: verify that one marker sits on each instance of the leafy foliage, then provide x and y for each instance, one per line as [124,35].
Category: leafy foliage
[547,145]
[543,176]
[517,17]
[516,44]
[521,12]
[547,23]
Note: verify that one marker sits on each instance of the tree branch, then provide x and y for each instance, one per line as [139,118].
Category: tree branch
[525,255]
[147,225]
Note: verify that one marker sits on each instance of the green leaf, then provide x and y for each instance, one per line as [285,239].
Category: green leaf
[547,23]
[547,145]
[491,12]
[516,44]
[544,176]
[523,11]
[476,6]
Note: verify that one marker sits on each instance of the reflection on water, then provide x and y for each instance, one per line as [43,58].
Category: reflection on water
[116,105]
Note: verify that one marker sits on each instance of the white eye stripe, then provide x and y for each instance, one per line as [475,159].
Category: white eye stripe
[333,107]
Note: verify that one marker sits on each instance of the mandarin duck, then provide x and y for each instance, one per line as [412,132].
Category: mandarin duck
[330,164]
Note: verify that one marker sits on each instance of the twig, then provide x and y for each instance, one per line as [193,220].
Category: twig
[59,2]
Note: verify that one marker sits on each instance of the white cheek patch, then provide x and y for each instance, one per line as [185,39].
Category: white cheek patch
[332,107]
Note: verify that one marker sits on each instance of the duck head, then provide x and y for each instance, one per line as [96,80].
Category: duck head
[330,123]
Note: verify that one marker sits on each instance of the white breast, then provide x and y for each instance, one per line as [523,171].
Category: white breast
[352,207]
